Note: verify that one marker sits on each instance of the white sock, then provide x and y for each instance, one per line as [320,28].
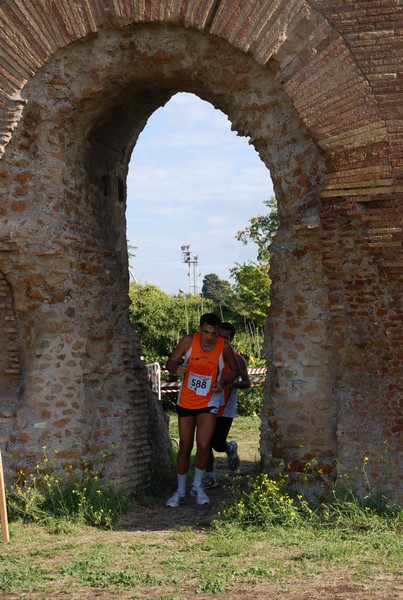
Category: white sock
[198,479]
[182,484]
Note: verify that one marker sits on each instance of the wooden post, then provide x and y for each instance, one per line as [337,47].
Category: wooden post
[3,506]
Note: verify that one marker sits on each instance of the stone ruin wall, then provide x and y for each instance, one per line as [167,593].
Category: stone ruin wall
[317,88]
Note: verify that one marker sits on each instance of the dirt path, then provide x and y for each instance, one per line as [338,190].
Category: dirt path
[154,516]
[150,517]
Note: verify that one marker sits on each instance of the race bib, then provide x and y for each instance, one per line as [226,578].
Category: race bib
[200,384]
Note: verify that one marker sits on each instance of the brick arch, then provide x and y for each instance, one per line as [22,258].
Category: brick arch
[319,69]
[289,76]
[265,29]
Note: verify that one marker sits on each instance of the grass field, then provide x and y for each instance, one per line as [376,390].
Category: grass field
[166,554]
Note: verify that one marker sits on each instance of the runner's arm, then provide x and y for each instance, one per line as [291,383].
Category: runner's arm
[174,365]
[230,359]
[244,382]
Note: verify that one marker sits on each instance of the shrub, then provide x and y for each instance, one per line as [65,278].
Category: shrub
[259,502]
[249,402]
[66,493]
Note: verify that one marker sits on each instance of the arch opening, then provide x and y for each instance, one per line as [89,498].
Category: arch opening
[267,116]
[191,181]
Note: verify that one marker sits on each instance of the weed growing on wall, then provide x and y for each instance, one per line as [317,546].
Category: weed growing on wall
[73,492]
[259,502]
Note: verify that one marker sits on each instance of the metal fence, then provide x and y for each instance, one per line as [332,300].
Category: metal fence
[154,373]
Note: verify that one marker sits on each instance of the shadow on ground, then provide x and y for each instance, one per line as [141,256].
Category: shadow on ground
[153,515]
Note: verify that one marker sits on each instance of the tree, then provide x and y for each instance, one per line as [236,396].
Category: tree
[152,313]
[261,231]
[251,292]
[216,289]
[161,319]
[219,292]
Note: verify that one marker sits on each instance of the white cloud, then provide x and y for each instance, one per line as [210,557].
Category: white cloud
[191,181]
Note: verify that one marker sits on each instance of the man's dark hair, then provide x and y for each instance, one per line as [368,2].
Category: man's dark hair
[228,327]
[210,319]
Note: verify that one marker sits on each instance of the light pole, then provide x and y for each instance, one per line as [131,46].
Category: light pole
[191,259]
[182,292]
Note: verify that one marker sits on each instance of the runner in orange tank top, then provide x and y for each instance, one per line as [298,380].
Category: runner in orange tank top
[203,354]
[204,368]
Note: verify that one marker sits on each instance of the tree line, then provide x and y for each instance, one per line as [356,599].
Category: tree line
[161,319]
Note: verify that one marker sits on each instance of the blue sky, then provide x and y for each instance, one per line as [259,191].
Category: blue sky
[192,181]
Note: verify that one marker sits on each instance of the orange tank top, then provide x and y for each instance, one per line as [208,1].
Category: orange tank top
[204,369]
[228,397]
[225,394]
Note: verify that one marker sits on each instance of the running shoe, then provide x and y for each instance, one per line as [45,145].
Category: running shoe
[209,482]
[200,495]
[175,500]
[233,458]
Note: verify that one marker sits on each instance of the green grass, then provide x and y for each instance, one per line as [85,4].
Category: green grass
[349,548]
[244,429]
[39,562]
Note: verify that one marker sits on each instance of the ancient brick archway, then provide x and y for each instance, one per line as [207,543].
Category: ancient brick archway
[317,97]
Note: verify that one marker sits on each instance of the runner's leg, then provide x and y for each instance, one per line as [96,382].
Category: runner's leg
[187,427]
[205,424]
[219,439]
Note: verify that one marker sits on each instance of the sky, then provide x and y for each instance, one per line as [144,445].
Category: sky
[192,181]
